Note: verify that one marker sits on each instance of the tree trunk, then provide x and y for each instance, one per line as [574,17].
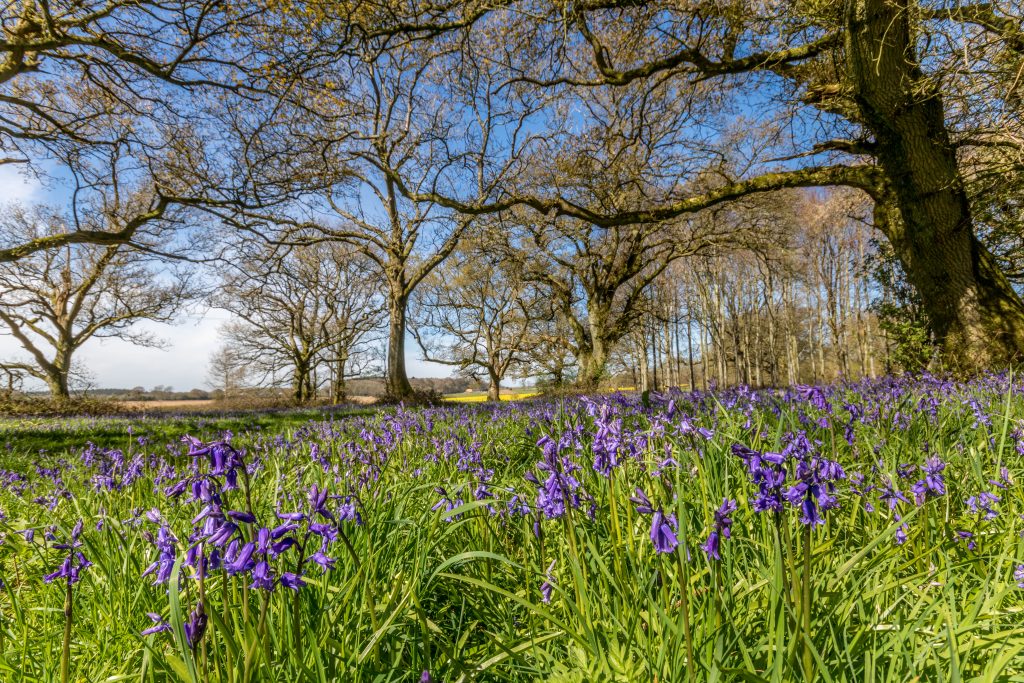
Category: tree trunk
[300,380]
[641,354]
[494,387]
[397,380]
[974,312]
[654,357]
[339,391]
[592,364]
[57,372]
[57,381]
[689,347]
[593,354]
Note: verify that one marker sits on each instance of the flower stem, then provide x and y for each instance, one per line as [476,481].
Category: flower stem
[806,606]
[65,655]
[684,597]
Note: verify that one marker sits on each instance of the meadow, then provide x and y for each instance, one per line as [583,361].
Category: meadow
[863,531]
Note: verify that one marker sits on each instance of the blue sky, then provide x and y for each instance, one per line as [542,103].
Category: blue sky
[189,342]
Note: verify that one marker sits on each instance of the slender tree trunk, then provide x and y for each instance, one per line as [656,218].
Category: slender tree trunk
[645,379]
[689,347]
[704,352]
[669,366]
[655,356]
[678,337]
[973,310]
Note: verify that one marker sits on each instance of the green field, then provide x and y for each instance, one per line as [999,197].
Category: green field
[577,540]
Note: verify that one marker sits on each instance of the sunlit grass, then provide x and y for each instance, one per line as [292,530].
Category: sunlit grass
[450,582]
[481,396]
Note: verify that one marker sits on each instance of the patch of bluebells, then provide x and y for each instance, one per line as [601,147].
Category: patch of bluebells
[267,553]
[559,490]
[815,482]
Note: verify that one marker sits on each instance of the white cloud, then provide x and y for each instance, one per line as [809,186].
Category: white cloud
[16,186]
[182,364]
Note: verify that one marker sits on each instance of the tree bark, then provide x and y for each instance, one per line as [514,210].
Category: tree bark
[339,390]
[57,381]
[493,388]
[300,380]
[398,385]
[592,364]
[975,314]
[593,350]
[57,372]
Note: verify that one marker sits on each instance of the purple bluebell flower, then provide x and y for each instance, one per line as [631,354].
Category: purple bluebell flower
[814,395]
[262,577]
[1004,479]
[643,503]
[292,580]
[241,516]
[933,484]
[721,528]
[159,625]
[901,533]
[548,585]
[242,562]
[767,471]
[166,553]
[983,504]
[195,627]
[663,532]
[318,502]
[965,537]
[890,495]
[322,559]
[74,562]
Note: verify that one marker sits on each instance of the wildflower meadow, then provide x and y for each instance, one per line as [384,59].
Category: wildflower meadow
[867,531]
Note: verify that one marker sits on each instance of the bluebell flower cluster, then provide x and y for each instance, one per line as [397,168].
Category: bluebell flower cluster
[74,562]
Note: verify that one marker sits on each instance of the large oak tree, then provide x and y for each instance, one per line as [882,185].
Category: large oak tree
[880,95]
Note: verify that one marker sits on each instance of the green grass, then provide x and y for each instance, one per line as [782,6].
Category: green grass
[55,435]
[481,396]
[458,592]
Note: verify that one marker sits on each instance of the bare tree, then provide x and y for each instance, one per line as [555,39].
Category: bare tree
[295,307]
[53,302]
[227,371]
[477,311]
[596,278]
[79,77]
[384,128]
[882,95]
